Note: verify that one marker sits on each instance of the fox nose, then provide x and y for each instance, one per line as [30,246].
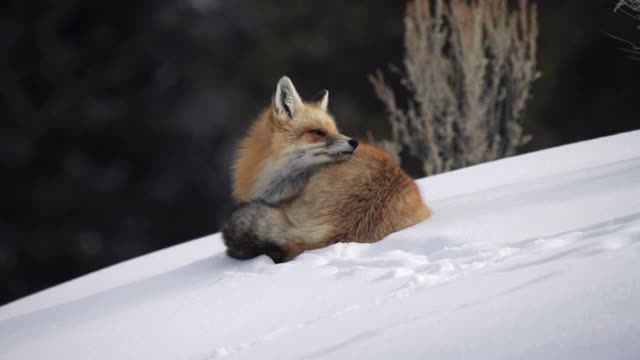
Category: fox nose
[354,143]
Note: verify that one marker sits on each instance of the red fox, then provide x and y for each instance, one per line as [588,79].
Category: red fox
[302,185]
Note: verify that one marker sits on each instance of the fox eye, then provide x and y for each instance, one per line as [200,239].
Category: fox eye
[318,132]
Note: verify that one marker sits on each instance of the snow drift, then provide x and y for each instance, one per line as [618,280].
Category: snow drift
[535,256]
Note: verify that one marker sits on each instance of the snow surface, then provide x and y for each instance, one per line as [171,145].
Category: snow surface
[531,257]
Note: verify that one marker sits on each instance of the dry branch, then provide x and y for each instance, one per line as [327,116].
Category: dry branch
[469,67]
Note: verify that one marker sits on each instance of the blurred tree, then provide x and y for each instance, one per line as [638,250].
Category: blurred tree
[103,106]
[118,118]
[630,8]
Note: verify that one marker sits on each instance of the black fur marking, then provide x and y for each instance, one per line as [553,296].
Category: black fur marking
[240,205]
[260,202]
[283,98]
[242,239]
[248,246]
[275,252]
[319,95]
[240,245]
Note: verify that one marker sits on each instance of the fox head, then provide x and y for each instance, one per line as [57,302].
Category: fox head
[289,126]
[297,123]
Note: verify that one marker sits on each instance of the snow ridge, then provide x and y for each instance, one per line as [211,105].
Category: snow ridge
[530,257]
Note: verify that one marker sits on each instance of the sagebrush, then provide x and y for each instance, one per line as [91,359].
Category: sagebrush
[468,70]
[630,8]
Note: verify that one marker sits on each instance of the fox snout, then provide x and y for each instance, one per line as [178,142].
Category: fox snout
[342,146]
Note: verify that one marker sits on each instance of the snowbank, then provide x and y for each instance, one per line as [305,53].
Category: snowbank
[535,256]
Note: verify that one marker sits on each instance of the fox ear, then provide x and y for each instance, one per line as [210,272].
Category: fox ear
[322,99]
[286,100]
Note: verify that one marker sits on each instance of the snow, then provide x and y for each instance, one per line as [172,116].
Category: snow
[531,257]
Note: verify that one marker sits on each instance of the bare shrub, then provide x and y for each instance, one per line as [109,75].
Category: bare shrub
[630,8]
[630,4]
[468,68]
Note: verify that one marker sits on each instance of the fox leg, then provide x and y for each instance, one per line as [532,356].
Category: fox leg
[256,228]
[285,179]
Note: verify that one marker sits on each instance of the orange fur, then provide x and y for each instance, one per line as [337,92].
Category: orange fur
[362,199]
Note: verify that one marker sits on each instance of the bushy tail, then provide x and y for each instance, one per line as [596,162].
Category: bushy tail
[253,229]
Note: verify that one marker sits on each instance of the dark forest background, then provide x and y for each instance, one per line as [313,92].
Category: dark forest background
[118,119]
